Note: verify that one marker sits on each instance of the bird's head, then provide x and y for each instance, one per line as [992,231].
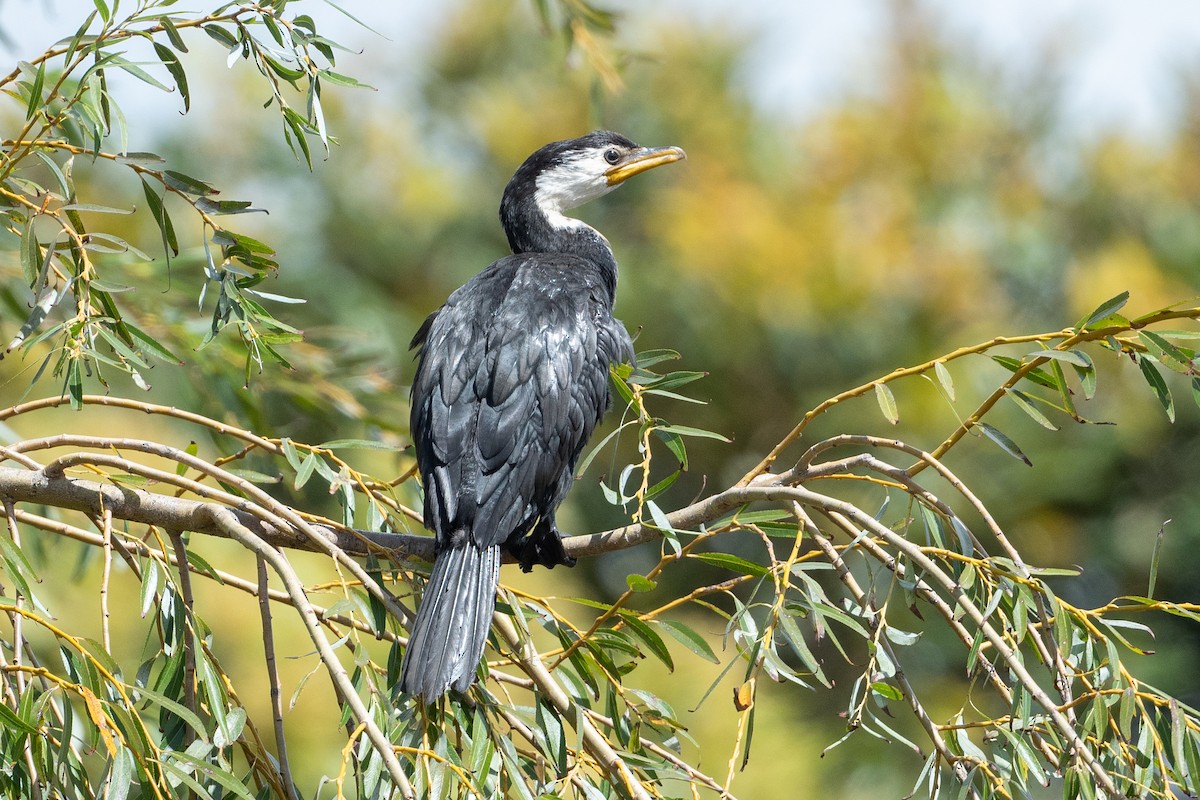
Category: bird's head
[567,174]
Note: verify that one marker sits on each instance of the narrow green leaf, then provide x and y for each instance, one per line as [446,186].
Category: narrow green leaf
[343,80]
[1006,444]
[75,384]
[648,358]
[654,491]
[295,134]
[512,764]
[145,77]
[316,113]
[152,345]
[1087,379]
[1155,379]
[1026,403]
[226,207]
[731,562]
[1167,354]
[799,645]
[189,185]
[64,185]
[887,403]
[478,759]
[192,449]
[10,720]
[674,396]
[689,639]
[173,34]
[173,65]
[943,376]
[221,36]
[357,444]
[966,542]
[1191,755]
[162,219]
[1067,572]
[1158,544]
[684,430]
[228,238]
[274,30]
[305,471]
[140,159]
[675,444]
[253,476]
[120,347]
[648,637]
[672,380]
[1104,310]
[1074,357]
[1036,375]
[96,209]
[35,92]
[31,254]
[277,298]
[149,586]
[289,74]
[886,690]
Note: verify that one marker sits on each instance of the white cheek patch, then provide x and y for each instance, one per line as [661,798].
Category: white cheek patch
[570,184]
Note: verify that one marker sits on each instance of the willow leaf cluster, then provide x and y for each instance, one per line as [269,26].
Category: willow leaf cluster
[71,121]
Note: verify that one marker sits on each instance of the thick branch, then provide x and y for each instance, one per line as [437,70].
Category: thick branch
[175,513]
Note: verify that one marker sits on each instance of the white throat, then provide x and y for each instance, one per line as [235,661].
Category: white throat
[569,185]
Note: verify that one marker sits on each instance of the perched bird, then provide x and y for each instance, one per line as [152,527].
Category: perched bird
[512,378]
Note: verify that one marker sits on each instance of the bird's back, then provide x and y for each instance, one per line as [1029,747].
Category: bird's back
[513,378]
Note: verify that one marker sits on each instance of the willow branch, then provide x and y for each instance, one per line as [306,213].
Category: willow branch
[189,650]
[598,746]
[176,513]
[264,607]
[794,433]
[225,518]
[224,578]
[874,619]
[920,559]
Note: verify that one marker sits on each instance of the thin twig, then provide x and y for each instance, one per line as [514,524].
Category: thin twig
[224,518]
[18,622]
[873,618]
[224,578]
[596,744]
[106,573]
[260,504]
[264,608]
[189,651]
[918,557]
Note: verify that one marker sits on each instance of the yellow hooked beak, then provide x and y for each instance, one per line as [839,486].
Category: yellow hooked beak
[642,160]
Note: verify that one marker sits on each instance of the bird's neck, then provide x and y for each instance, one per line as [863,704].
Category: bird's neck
[536,229]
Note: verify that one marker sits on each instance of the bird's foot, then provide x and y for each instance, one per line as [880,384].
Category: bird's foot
[543,546]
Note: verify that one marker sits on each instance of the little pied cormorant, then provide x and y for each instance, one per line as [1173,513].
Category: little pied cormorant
[512,378]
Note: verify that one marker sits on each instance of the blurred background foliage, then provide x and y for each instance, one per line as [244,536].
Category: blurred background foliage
[944,202]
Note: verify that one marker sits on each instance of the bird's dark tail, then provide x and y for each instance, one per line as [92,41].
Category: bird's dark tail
[448,635]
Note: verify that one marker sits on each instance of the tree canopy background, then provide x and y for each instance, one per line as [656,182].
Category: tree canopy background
[944,201]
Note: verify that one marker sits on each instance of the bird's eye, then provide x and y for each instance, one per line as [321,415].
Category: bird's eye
[611,155]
